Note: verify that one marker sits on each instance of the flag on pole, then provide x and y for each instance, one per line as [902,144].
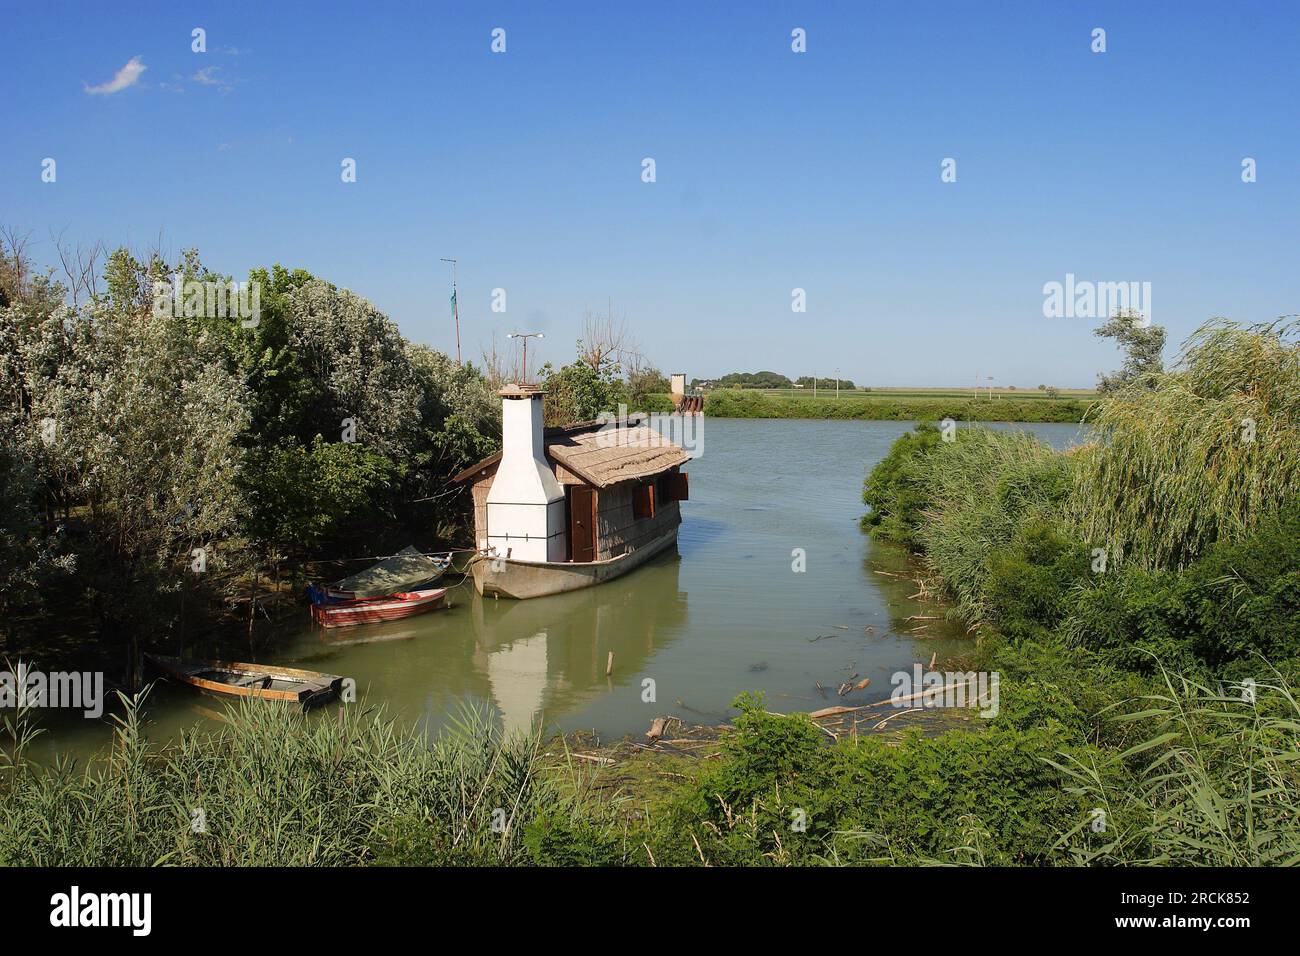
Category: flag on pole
[453,303]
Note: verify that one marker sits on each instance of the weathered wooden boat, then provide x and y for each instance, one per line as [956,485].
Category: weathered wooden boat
[262,681]
[407,570]
[529,579]
[372,610]
[558,509]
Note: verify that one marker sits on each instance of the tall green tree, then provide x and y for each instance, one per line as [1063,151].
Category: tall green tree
[1143,345]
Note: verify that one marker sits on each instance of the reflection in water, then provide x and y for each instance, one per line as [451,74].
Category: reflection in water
[562,660]
[518,676]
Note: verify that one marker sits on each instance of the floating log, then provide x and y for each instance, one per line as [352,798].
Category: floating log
[831,712]
[657,728]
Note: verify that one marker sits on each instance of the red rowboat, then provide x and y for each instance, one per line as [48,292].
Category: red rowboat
[371,610]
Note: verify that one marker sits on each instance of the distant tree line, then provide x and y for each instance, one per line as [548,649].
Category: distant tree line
[768,380]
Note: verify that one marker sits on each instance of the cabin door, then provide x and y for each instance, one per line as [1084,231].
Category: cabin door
[582,523]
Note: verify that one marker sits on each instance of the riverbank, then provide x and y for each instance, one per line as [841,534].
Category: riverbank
[1022,787]
[748,403]
[1168,650]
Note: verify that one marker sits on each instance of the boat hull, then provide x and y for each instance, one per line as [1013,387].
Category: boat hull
[256,681]
[528,579]
[375,610]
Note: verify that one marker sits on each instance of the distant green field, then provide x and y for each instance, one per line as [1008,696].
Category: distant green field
[887,394]
[899,405]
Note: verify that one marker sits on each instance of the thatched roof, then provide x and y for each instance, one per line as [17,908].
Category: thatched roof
[608,456]
[601,456]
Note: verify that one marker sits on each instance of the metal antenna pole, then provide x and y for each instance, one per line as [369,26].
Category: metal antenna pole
[455,306]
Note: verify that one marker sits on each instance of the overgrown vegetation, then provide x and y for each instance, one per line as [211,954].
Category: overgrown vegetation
[1178,771]
[1170,545]
[276,788]
[140,427]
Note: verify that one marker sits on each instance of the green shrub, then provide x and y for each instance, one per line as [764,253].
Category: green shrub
[558,836]
[1032,580]
[1236,603]
[982,487]
[895,488]
[781,796]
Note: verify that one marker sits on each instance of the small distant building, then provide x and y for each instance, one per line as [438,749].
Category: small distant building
[685,403]
[559,509]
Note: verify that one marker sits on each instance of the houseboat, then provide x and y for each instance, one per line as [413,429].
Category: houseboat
[559,509]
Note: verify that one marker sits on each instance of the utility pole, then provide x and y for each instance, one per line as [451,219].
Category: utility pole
[525,336]
[837,383]
[455,306]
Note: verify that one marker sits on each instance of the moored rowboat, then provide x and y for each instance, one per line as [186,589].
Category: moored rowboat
[408,570]
[370,611]
[262,681]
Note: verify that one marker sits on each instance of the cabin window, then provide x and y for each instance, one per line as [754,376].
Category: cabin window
[643,502]
[672,487]
[664,488]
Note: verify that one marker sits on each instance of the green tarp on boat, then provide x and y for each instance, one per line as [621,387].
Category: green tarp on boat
[401,572]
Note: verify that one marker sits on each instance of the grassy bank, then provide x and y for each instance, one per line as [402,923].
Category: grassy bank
[276,788]
[743,403]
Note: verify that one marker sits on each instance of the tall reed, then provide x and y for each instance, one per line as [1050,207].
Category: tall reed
[277,788]
[1203,455]
[1214,781]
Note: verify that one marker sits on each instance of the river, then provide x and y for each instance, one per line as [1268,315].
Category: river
[726,613]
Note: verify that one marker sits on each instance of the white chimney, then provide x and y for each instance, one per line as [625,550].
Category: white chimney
[525,505]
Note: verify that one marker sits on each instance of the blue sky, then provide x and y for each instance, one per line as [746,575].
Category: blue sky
[775,170]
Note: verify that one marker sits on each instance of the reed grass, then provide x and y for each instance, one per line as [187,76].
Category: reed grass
[1203,455]
[982,488]
[1215,781]
[276,788]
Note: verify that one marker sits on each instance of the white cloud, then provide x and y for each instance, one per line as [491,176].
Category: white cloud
[208,77]
[127,76]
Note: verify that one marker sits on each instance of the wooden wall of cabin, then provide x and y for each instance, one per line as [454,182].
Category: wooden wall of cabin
[619,531]
[480,490]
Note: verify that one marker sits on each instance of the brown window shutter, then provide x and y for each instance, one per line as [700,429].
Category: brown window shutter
[681,487]
[643,502]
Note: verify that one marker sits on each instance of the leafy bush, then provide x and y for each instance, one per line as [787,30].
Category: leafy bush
[895,489]
[782,796]
[1032,580]
[1236,603]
